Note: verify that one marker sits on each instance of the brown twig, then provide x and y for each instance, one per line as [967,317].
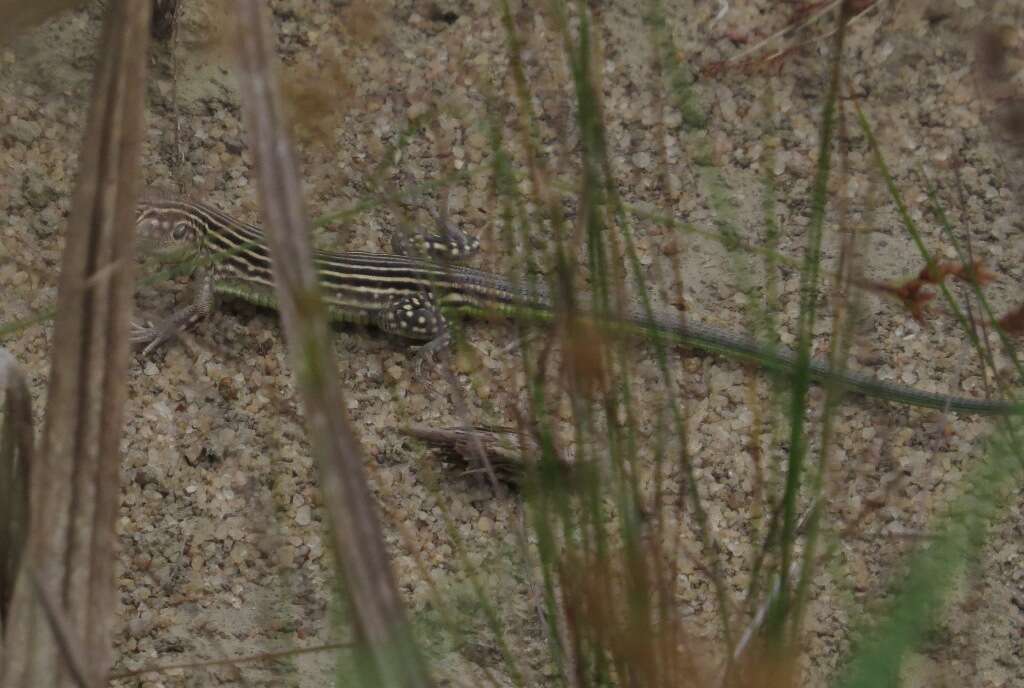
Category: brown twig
[508,451]
[804,15]
[260,657]
[391,655]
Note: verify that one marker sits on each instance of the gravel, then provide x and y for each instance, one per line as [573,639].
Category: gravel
[222,534]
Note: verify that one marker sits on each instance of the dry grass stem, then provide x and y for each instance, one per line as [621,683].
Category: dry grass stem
[17,440]
[17,15]
[381,627]
[74,490]
[260,657]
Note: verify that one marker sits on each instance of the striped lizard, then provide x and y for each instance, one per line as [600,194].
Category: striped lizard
[410,297]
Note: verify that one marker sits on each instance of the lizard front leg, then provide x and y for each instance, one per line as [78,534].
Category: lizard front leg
[152,336]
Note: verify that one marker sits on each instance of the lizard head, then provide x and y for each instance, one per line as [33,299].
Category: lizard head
[167,229]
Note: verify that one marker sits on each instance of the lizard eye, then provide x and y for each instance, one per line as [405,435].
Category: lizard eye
[180,231]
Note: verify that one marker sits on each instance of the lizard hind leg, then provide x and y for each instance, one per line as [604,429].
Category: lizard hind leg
[450,242]
[416,316]
[412,316]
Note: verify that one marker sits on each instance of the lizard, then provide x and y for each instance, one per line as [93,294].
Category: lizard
[410,297]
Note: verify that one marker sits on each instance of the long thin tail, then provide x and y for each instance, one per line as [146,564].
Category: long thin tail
[780,360]
[784,361]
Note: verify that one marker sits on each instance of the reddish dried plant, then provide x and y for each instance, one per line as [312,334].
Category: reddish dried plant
[1013,322]
[803,16]
[913,294]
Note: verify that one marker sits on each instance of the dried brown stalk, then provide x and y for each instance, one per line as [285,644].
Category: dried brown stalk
[390,655]
[18,15]
[70,651]
[165,16]
[71,547]
[17,440]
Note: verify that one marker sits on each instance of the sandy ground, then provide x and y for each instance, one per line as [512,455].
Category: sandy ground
[222,538]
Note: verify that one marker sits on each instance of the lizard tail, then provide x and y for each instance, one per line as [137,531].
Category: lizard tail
[785,362]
